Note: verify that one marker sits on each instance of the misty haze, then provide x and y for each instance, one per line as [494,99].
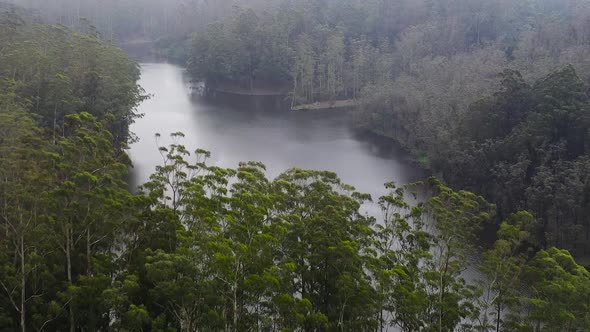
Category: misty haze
[294,165]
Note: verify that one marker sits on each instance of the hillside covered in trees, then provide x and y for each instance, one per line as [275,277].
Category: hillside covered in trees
[205,248]
[490,95]
[333,49]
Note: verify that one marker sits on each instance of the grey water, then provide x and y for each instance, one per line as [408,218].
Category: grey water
[259,131]
[246,131]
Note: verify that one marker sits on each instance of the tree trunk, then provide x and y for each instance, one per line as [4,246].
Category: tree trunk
[88,260]
[54,124]
[235,318]
[23,291]
[69,271]
[498,318]
[443,288]
[294,92]
[235,296]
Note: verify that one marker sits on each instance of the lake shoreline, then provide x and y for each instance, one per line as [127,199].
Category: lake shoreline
[238,128]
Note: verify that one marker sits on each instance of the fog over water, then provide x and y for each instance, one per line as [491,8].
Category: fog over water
[278,138]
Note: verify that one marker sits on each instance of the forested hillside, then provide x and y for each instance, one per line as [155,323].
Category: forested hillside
[334,49]
[206,248]
[490,95]
[66,102]
[526,146]
[52,72]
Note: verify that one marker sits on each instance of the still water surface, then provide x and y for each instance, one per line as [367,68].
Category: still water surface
[278,138]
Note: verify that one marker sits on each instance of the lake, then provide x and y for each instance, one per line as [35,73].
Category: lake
[254,130]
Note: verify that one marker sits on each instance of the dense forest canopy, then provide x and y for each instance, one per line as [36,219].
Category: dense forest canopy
[491,95]
[52,72]
[334,49]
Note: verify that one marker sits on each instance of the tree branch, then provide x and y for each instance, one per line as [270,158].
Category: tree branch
[10,296]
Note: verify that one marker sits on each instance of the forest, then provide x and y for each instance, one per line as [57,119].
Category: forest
[491,97]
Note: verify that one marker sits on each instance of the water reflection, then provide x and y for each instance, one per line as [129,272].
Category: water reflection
[243,131]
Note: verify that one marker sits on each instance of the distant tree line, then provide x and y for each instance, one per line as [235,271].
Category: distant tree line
[168,24]
[130,19]
[328,49]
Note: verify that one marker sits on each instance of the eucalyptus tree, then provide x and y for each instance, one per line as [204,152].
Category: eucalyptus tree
[457,217]
[24,175]
[503,266]
[85,210]
[403,249]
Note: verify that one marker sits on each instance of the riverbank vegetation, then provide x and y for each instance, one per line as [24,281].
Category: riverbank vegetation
[203,247]
[206,248]
[52,72]
[524,147]
[490,95]
[340,49]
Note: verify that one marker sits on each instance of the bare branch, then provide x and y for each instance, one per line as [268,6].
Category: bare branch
[10,296]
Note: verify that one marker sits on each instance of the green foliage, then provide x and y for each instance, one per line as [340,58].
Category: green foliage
[58,72]
[292,44]
[245,52]
[530,155]
[458,216]
[208,248]
[557,293]
[503,265]
[203,247]
[63,197]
